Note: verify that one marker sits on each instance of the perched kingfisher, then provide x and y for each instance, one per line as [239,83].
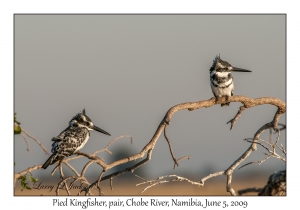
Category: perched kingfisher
[72,139]
[221,80]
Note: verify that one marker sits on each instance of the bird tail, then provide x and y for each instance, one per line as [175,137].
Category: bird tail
[50,161]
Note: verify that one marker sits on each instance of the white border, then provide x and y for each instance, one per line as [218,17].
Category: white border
[8,8]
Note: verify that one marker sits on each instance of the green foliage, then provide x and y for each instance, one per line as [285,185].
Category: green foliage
[25,179]
[17,128]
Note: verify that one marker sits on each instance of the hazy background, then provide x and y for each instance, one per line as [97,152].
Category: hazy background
[128,70]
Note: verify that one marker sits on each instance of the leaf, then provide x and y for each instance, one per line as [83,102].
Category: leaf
[33,179]
[27,187]
[17,129]
[23,184]
[15,119]
[22,178]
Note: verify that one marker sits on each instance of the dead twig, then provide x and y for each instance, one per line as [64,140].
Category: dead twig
[247,103]
[28,148]
[271,151]
[37,141]
[93,159]
[28,170]
[237,116]
[171,150]
[174,178]
[159,180]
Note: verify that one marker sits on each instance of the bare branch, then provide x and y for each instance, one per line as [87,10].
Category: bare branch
[91,156]
[64,181]
[174,178]
[282,149]
[28,170]
[60,169]
[111,187]
[65,186]
[171,150]
[159,180]
[54,169]
[228,184]
[237,116]
[283,127]
[230,170]
[28,148]
[271,151]
[93,159]
[72,168]
[182,158]
[247,103]
[259,162]
[212,175]
[250,140]
[86,166]
[140,178]
[129,169]
[270,136]
[174,158]
[110,143]
[37,141]
[99,179]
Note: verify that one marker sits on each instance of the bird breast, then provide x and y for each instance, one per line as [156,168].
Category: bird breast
[222,91]
[83,142]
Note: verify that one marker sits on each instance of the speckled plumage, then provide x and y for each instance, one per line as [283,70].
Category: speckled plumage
[72,139]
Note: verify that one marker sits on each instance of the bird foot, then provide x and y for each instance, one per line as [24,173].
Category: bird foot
[216,99]
[227,98]
[226,104]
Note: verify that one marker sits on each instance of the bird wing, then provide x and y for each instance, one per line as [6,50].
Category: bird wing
[68,141]
[62,134]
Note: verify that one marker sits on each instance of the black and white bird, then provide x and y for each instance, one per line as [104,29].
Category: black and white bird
[72,139]
[221,80]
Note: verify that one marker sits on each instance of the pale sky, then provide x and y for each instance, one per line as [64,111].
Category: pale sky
[128,70]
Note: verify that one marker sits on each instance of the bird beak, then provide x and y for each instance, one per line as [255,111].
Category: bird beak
[99,130]
[240,70]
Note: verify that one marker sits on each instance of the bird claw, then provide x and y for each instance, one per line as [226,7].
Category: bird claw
[216,99]
[226,104]
[227,98]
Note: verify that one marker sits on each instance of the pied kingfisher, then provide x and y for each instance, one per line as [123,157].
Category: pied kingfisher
[72,139]
[221,81]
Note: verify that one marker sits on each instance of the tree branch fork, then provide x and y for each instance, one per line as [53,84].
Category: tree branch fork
[247,103]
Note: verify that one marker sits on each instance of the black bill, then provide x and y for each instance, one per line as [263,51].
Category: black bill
[99,130]
[240,70]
